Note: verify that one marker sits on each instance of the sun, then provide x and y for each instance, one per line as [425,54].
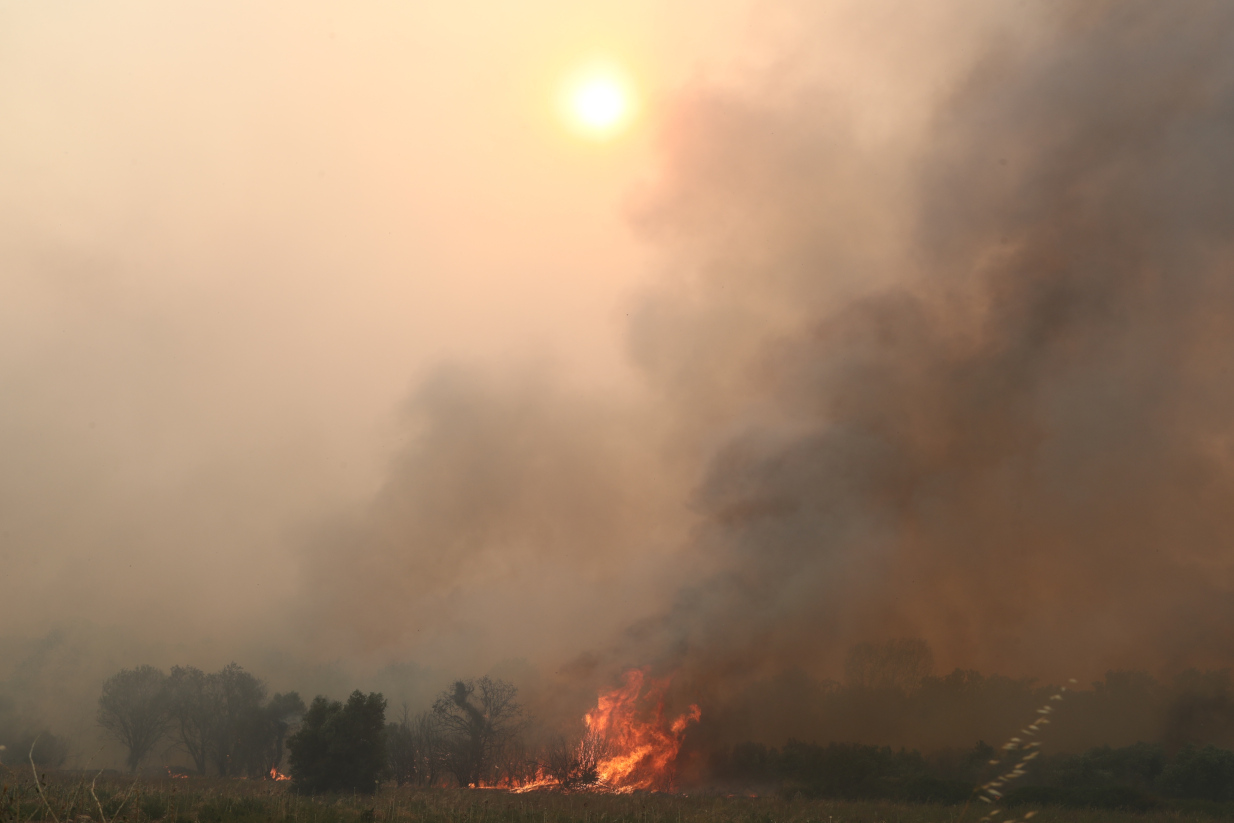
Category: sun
[598,101]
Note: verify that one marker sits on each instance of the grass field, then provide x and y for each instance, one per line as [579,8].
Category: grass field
[192,800]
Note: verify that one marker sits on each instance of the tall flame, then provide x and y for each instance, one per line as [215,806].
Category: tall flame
[644,747]
[629,744]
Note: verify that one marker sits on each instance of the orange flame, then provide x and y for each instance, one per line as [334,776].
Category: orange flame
[540,781]
[640,746]
[645,746]
[275,774]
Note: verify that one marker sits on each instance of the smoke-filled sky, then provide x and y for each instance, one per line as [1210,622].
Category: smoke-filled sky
[324,342]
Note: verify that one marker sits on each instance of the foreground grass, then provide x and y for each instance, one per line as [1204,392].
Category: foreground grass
[69,799]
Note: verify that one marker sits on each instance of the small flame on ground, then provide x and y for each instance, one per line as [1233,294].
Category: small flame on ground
[275,774]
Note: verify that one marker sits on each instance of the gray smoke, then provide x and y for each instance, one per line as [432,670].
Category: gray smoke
[961,373]
[1016,442]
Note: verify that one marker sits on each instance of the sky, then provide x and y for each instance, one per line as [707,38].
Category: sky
[327,344]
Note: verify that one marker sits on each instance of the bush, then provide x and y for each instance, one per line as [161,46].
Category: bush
[340,748]
[849,771]
[1202,774]
[50,751]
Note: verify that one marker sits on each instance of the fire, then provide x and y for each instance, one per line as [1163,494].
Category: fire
[629,744]
[275,774]
[633,726]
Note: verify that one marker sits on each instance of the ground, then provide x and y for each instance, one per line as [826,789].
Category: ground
[222,801]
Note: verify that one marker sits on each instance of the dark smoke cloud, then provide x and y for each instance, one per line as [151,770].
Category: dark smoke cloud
[1016,444]
[966,379]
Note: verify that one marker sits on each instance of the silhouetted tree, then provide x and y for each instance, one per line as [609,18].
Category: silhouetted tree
[194,707]
[340,748]
[478,720]
[133,708]
[263,733]
[284,712]
[239,699]
[219,718]
[413,747]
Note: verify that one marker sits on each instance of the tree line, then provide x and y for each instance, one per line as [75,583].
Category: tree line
[890,696]
[222,720]
[473,735]
[476,734]
[225,723]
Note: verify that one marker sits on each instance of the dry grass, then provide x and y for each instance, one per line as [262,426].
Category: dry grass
[218,801]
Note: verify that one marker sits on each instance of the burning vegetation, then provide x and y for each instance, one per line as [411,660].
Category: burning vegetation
[641,743]
[629,743]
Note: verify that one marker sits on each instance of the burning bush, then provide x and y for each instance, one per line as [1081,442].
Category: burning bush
[576,763]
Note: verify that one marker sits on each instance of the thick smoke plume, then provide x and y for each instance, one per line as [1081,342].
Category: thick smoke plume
[963,377]
[1018,445]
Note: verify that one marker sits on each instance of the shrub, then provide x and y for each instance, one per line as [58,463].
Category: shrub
[1202,774]
[340,748]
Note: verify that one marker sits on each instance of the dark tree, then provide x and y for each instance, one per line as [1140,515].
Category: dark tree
[219,718]
[403,755]
[239,696]
[283,712]
[133,708]
[340,748]
[413,747]
[402,758]
[263,734]
[479,720]
[195,710]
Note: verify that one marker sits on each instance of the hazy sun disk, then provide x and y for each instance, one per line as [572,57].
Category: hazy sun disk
[599,102]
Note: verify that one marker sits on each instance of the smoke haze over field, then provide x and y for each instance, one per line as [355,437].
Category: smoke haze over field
[925,331]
